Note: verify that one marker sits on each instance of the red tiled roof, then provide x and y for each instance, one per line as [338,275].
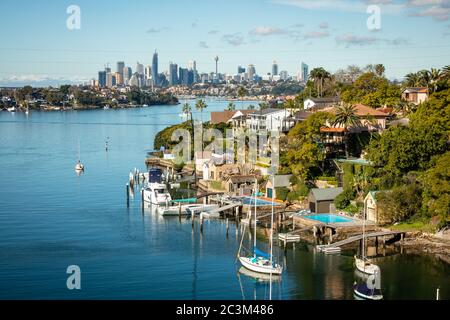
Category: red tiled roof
[338,130]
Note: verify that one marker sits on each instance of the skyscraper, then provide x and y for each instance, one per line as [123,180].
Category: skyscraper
[274,69]
[102,78]
[216,59]
[139,68]
[173,74]
[155,69]
[251,71]
[240,70]
[127,73]
[120,66]
[304,72]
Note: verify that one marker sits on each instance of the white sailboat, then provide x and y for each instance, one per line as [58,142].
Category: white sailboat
[79,167]
[371,289]
[259,261]
[363,264]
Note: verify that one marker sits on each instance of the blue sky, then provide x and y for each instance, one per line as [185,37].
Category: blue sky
[37,48]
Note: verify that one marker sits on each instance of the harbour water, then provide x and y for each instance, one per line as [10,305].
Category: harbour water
[50,218]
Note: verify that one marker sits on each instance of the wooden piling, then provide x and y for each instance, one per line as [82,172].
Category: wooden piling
[142,199]
[128,194]
[179,211]
[201,223]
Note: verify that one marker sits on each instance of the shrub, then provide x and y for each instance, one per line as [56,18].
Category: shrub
[342,201]
[282,193]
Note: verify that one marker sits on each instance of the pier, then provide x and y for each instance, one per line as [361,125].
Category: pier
[396,236]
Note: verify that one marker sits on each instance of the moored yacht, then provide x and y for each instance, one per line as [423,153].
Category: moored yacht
[157,194]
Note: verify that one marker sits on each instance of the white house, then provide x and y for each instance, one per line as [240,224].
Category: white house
[202,157]
[269,119]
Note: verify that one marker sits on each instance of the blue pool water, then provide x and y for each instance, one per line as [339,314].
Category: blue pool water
[328,218]
[259,202]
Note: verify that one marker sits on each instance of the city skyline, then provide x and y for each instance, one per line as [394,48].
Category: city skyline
[326,34]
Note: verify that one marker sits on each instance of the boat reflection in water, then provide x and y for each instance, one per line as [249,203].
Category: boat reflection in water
[259,277]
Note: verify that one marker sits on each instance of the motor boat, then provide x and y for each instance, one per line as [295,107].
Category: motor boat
[157,194]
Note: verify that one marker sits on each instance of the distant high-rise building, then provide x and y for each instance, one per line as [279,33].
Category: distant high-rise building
[108,69]
[110,80]
[284,75]
[274,68]
[139,68]
[192,65]
[184,76]
[216,59]
[173,74]
[119,78]
[240,70]
[304,74]
[251,71]
[148,72]
[102,78]
[120,66]
[155,69]
[127,73]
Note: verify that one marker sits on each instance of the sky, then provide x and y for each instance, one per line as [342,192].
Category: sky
[37,47]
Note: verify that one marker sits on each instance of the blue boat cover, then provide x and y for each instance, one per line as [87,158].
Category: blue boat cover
[261,254]
[191,200]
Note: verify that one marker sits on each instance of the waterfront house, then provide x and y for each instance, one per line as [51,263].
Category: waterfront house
[202,157]
[269,119]
[240,185]
[322,200]
[320,103]
[281,181]
[372,207]
[220,172]
[415,95]
[228,116]
[371,121]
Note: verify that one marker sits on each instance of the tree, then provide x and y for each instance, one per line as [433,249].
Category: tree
[187,110]
[319,75]
[346,118]
[201,105]
[231,106]
[372,90]
[379,70]
[436,194]
[241,93]
[435,76]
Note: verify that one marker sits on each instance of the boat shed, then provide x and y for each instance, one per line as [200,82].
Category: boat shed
[322,200]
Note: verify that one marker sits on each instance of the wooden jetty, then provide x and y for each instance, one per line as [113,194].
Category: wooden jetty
[397,235]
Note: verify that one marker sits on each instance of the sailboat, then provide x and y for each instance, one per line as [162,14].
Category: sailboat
[371,289]
[79,167]
[363,264]
[259,261]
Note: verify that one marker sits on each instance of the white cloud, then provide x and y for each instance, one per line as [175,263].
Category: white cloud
[267,31]
[234,39]
[203,44]
[316,35]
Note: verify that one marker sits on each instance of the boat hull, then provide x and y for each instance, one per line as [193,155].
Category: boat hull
[365,266]
[365,296]
[255,267]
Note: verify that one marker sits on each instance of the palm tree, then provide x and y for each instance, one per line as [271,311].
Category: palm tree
[231,106]
[445,72]
[187,110]
[241,93]
[380,70]
[346,118]
[435,76]
[201,105]
[412,80]
[319,75]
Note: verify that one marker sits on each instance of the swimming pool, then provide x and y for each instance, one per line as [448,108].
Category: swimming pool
[328,218]
[259,202]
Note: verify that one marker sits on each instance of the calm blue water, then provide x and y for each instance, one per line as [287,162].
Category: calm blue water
[328,218]
[51,218]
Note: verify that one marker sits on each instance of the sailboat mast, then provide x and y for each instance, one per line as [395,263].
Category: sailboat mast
[256,190]
[271,235]
[363,254]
